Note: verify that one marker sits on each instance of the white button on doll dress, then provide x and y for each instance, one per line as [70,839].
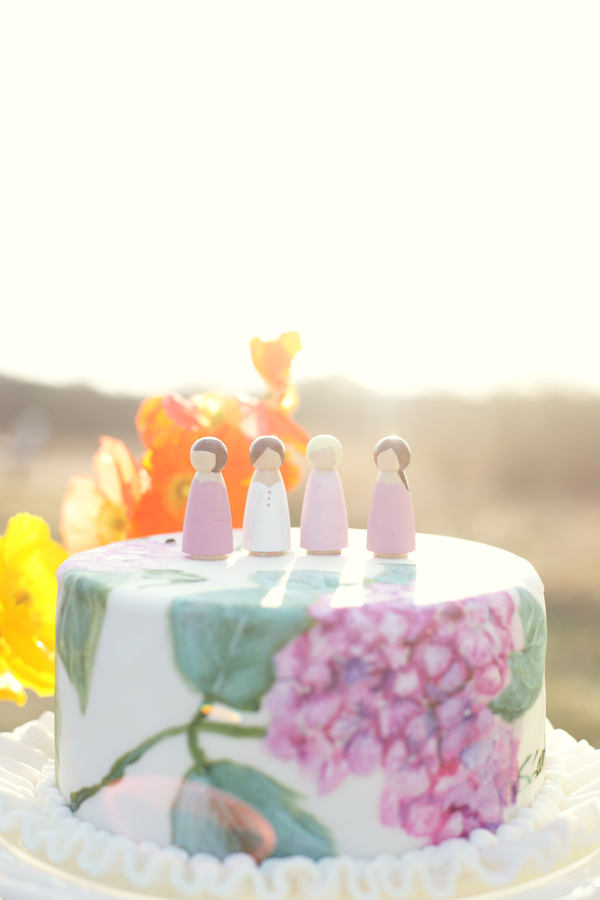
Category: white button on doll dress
[266,519]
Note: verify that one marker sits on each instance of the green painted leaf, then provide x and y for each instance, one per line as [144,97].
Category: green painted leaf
[198,828]
[250,596]
[227,651]
[312,582]
[169,576]
[526,665]
[302,588]
[205,819]
[296,830]
[395,574]
[268,579]
[80,613]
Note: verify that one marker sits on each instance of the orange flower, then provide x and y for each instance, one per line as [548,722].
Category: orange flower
[96,508]
[162,507]
[169,471]
[273,360]
[121,500]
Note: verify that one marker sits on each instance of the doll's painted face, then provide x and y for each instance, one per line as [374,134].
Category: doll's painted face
[387,461]
[322,459]
[203,460]
[268,459]
[324,452]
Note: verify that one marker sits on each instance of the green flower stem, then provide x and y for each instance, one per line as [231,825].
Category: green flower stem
[239,731]
[118,769]
[192,738]
[192,729]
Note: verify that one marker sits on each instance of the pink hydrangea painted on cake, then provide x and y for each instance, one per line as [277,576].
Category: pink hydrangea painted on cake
[406,688]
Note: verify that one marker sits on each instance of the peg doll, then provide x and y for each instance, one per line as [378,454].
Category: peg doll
[391,525]
[324,521]
[266,530]
[207,531]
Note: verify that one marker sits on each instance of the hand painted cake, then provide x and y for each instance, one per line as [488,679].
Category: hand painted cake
[320,706]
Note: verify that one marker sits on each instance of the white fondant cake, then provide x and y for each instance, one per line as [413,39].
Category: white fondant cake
[341,705]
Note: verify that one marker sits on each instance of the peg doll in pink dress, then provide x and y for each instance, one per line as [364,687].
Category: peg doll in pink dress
[324,522]
[207,530]
[391,525]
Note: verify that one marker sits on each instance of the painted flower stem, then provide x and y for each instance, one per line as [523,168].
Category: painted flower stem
[532,760]
[118,769]
[239,731]
[192,729]
[192,739]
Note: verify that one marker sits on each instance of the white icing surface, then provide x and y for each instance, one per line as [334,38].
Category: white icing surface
[561,826]
[447,568]
[137,690]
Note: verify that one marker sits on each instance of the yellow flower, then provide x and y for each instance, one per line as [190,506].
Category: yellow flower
[29,559]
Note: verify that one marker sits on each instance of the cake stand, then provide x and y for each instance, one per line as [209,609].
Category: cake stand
[548,851]
[23,876]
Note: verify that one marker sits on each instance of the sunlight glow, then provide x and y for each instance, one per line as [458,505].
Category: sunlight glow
[413,188]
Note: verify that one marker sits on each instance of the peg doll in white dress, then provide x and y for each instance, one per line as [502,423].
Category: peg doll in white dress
[266,530]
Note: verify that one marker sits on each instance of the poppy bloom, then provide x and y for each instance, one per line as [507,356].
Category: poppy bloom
[123,498]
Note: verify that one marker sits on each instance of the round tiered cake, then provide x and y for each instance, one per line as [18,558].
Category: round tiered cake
[299,705]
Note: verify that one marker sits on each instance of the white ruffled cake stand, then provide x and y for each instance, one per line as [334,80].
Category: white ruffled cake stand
[550,850]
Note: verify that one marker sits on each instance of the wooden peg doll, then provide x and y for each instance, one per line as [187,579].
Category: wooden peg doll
[266,530]
[324,521]
[207,530]
[391,525]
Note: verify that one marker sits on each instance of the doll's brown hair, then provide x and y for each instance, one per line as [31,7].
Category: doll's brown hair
[269,442]
[400,448]
[212,445]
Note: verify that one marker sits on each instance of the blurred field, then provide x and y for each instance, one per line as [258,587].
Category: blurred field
[521,473]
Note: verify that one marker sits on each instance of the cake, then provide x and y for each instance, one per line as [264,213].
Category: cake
[297,705]
[164,767]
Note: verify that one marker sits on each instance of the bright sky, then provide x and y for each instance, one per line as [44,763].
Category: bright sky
[414,187]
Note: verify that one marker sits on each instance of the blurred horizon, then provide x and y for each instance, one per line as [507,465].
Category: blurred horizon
[519,472]
[256,388]
[414,188]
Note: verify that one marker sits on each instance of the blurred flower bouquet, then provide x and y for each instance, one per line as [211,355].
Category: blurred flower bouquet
[29,559]
[125,498]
